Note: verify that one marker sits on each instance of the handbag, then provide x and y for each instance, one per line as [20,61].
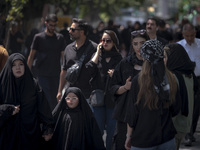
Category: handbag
[97,98]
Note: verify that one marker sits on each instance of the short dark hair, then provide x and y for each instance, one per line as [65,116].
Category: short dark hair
[153,18]
[188,27]
[51,17]
[82,24]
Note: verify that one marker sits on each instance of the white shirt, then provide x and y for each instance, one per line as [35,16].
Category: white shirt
[193,52]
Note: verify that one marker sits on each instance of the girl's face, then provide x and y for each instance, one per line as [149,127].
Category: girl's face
[18,68]
[107,42]
[72,100]
[137,44]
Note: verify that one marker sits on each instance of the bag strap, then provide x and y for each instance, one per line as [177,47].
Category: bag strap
[86,52]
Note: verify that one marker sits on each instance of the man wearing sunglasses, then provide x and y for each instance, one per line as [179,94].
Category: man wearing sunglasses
[73,52]
[47,49]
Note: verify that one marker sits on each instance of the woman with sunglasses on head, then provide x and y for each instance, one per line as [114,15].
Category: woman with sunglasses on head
[76,127]
[102,67]
[152,102]
[121,83]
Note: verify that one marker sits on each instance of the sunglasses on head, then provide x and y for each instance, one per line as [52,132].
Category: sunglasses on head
[141,32]
[73,29]
[106,40]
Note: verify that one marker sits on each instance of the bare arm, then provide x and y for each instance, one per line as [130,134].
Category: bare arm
[128,137]
[95,58]
[62,56]
[62,83]
[124,87]
[31,58]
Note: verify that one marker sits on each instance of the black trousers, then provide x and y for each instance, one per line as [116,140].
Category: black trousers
[196,111]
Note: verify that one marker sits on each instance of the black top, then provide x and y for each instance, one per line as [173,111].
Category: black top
[14,45]
[150,127]
[76,128]
[162,40]
[22,130]
[71,55]
[48,56]
[99,73]
[122,71]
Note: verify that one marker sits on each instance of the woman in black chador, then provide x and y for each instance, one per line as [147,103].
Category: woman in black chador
[76,127]
[23,108]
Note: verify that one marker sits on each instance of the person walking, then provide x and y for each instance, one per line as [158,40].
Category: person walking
[73,52]
[44,60]
[101,68]
[178,61]
[76,127]
[25,115]
[192,46]
[151,28]
[152,105]
[121,84]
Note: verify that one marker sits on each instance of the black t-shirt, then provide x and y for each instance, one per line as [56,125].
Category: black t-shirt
[71,55]
[48,54]
[14,46]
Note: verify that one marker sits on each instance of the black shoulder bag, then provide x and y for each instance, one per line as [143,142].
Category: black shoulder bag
[74,71]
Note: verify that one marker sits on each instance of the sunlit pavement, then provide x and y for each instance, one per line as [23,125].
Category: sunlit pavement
[195,145]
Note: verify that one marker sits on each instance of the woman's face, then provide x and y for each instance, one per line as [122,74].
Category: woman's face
[72,100]
[137,44]
[107,42]
[18,68]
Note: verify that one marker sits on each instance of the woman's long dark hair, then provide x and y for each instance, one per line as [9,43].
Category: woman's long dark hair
[146,90]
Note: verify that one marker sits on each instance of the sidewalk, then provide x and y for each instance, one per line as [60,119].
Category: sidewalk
[195,145]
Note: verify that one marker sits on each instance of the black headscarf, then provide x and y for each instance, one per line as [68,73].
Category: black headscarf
[152,51]
[8,81]
[179,63]
[76,128]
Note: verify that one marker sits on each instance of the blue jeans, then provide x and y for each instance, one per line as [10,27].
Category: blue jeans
[169,145]
[104,119]
[50,87]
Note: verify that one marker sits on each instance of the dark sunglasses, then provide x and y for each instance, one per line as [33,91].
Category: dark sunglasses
[106,40]
[73,29]
[141,32]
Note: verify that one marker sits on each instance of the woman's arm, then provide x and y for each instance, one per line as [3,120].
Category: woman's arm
[128,137]
[95,58]
[122,89]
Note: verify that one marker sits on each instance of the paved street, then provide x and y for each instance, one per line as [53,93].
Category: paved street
[195,145]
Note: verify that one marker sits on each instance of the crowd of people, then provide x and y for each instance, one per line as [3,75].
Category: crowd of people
[138,87]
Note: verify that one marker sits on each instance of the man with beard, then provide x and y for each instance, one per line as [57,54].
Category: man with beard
[151,28]
[47,49]
[73,52]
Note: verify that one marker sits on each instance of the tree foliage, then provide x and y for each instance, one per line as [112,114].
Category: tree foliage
[188,8]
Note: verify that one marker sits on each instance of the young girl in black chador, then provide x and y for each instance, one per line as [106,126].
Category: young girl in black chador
[76,127]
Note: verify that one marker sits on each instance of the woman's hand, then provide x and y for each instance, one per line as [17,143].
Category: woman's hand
[128,143]
[16,110]
[127,86]
[47,137]
[110,72]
